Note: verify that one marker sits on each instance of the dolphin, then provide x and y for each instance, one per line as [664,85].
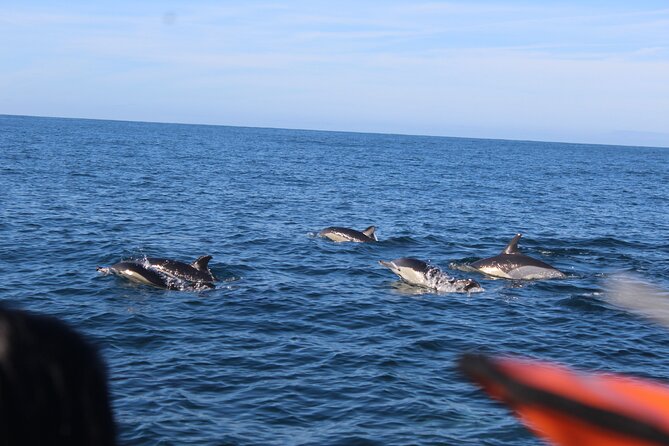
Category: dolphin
[337,234]
[417,272]
[164,273]
[511,264]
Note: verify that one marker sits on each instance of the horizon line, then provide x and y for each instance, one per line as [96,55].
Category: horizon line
[341,131]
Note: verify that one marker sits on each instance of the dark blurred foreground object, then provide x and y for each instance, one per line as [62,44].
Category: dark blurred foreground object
[573,408]
[53,385]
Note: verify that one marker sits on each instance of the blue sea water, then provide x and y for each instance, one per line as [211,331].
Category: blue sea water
[308,342]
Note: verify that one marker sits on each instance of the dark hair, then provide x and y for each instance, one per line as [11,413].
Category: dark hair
[53,384]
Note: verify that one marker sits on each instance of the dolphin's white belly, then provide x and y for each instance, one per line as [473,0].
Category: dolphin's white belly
[495,271]
[337,237]
[412,276]
[135,277]
[534,272]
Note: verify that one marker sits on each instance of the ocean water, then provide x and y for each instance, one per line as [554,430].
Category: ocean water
[308,342]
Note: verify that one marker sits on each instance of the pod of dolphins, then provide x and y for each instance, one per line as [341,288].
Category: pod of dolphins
[564,406]
[509,264]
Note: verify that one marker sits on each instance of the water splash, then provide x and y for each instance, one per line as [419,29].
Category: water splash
[444,283]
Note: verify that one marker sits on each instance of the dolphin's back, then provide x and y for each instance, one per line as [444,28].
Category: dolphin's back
[180,270]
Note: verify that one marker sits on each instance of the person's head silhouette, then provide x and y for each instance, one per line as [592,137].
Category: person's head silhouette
[53,384]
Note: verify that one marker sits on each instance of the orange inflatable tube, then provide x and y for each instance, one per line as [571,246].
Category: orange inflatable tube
[573,408]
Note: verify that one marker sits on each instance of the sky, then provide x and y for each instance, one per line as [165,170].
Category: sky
[574,71]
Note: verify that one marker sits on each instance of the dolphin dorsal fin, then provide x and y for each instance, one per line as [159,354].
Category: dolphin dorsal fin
[201,263]
[512,247]
[369,232]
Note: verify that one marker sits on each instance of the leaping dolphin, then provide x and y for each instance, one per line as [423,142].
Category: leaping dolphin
[511,264]
[337,234]
[165,273]
[417,272]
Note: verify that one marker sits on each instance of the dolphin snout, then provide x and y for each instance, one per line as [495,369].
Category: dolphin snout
[390,265]
[103,269]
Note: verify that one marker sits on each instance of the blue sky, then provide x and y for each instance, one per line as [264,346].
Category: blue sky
[579,71]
